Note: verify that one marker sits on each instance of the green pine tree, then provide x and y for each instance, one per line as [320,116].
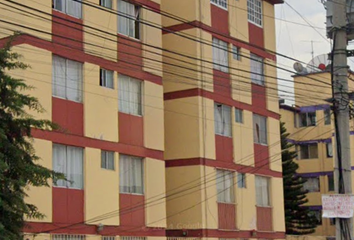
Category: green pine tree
[299,219]
[18,162]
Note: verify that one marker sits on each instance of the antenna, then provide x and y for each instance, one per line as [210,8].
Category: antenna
[312,49]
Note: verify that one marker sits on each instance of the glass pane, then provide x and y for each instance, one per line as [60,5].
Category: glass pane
[135,97]
[74,81]
[218,118]
[123,93]
[313,152]
[137,176]
[124,174]
[59,162]
[122,17]
[220,185]
[59,77]
[227,121]
[304,152]
[75,167]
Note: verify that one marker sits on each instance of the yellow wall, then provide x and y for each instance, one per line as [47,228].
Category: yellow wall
[187,7]
[277,201]
[269,26]
[272,86]
[274,145]
[246,202]
[237,20]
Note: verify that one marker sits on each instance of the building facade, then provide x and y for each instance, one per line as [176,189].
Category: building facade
[169,117]
[222,149]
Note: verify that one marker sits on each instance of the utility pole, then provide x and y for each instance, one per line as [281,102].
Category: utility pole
[342,166]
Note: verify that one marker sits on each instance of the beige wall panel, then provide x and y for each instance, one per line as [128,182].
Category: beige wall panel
[205,52]
[181,121]
[185,185]
[100,35]
[39,76]
[206,128]
[240,78]
[184,8]
[269,26]
[287,117]
[153,116]
[101,191]
[238,20]
[246,202]
[277,200]
[274,145]
[209,196]
[314,199]
[42,236]
[152,57]
[272,87]
[243,140]
[155,192]
[203,12]
[100,106]
[42,196]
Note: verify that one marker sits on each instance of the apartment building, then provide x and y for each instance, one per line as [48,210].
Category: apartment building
[222,149]
[310,125]
[92,72]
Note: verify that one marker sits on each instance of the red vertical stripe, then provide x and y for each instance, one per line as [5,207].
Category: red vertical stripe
[131,129]
[264,219]
[227,216]
[224,148]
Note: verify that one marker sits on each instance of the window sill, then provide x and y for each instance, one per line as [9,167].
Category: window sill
[219,6]
[68,188]
[135,194]
[262,144]
[230,203]
[223,135]
[258,84]
[136,115]
[78,18]
[256,24]
[264,206]
[129,37]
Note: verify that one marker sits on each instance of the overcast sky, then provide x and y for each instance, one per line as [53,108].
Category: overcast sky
[294,39]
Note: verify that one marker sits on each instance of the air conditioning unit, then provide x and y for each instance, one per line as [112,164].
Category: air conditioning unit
[350,18]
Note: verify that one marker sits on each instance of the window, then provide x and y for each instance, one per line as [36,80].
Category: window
[67,79]
[220,55]
[69,161]
[67,237]
[106,78]
[260,129]
[238,115]
[225,186]
[254,8]
[220,3]
[222,115]
[327,116]
[106,3]
[130,95]
[241,180]
[236,53]
[332,221]
[312,184]
[330,179]
[318,214]
[329,150]
[262,191]
[133,238]
[70,7]
[107,160]
[307,119]
[128,19]
[257,69]
[131,174]
[108,237]
[307,151]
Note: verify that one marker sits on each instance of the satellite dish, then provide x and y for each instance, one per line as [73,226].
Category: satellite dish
[299,68]
[318,64]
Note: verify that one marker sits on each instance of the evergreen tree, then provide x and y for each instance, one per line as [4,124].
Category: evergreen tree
[299,219]
[18,167]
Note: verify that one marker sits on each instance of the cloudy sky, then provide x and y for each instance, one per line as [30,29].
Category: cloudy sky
[294,35]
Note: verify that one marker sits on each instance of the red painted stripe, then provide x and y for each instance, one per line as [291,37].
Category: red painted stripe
[81,56]
[215,233]
[81,141]
[131,129]
[220,99]
[68,205]
[136,216]
[219,19]
[148,3]
[264,219]
[35,227]
[255,35]
[220,35]
[227,216]
[224,165]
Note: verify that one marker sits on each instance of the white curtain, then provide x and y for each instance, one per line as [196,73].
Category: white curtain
[218,118]
[220,185]
[262,189]
[131,19]
[74,81]
[124,174]
[329,150]
[135,97]
[229,186]
[74,8]
[263,129]
[224,56]
[216,53]
[110,160]
[59,77]
[312,184]
[59,162]
[123,93]
[109,79]
[137,175]
[227,120]
[257,69]
[256,129]
[260,129]
[75,167]
[123,20]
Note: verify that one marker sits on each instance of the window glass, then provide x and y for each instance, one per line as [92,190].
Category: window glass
[220,3]
[222,117]
[307,151]
[330,179]
[130,95]
[312,184]
[128,19]
[225,186]
[106,78]
[260,129]
[254,9]
[70,7]
[307,119]
[131,174]
[262,191]
[106,3]
[220,55]
[238,115]
[107,160]
[257,69]
[327,116]
[329,150]
[236,53]
[241,180]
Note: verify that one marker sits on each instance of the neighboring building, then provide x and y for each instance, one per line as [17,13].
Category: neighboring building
[89,69]
[222,149]
[310,125]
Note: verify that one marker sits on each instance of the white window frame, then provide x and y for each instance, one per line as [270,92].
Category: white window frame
[67,237]
[106,3]
[223,126]
[68,6]
[225,185]
[220,3]
[132,238]
[130,106]
[241,180]
[312,184]
[129,23]
[257,69]
[220,55]
[127,174]
[311,148]
[64,168]
[106,78]
[107,160]
[60,85]
[255,12]
[260,136]
[262,191]
[238,115]
[236,53]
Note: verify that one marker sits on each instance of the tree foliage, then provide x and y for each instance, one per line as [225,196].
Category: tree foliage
[19,168]
[299,219]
